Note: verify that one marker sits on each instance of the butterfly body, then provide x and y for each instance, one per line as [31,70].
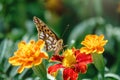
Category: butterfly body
[52,42]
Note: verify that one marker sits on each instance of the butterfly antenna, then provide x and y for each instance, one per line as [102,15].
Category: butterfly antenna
[65,30]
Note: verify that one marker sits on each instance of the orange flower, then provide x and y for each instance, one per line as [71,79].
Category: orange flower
[93,44]
[28,55]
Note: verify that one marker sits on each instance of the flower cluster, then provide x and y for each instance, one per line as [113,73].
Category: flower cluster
[72,61]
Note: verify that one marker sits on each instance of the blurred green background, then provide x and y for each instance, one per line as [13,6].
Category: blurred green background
[70,20]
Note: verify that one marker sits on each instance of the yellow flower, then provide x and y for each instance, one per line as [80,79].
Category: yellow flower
[28,55]
[69,58]
[93,44]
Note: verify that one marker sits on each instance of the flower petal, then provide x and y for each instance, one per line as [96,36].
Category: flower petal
[56,58]
[53,69]
[86,50]
[82,57]
[69,74]
[14,61]
[100,50]
[81,67]
[20,69]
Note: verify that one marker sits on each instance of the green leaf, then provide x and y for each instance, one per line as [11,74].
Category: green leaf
[112,76]
[3,47]
[99,63]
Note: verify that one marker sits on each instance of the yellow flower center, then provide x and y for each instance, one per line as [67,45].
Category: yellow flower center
[69,58]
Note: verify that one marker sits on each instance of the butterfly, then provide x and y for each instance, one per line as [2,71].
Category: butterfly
[52,42]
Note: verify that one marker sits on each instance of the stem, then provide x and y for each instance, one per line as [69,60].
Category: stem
[40,71]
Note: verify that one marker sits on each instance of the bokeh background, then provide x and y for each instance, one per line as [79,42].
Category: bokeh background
[70,20]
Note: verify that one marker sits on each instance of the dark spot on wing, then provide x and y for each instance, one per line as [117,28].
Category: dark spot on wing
[48,30]
[40,30]
[44,26]
[51,33]
[45,30]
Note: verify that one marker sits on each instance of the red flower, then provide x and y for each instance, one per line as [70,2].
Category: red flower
[72,61]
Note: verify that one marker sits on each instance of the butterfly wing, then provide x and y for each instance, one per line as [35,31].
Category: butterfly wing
[44,33]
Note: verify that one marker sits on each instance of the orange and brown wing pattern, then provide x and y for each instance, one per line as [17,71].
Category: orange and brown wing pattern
[52,42]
